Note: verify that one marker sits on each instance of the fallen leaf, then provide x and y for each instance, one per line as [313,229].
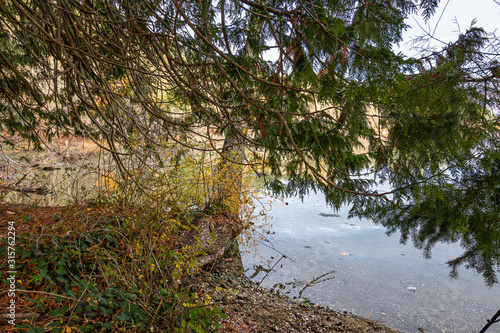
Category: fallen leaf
[11,213]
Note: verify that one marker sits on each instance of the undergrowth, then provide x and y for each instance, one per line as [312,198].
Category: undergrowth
[120,275]
[115,264]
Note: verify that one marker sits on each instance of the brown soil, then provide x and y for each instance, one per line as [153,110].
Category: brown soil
[42,221]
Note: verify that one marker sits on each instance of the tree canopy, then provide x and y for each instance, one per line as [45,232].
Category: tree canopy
[310,90]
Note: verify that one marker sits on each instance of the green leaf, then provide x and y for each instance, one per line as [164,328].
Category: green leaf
[59,312]
[61,270]
[33,329]
[122,316]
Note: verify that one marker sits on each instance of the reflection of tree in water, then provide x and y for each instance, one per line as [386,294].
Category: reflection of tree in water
[461,206]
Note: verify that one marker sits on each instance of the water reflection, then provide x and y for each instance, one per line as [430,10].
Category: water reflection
[58,182]
[374,275]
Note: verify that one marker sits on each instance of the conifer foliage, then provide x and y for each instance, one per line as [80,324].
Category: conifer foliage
[308,89]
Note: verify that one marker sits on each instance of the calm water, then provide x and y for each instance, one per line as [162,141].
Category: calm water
[371,275]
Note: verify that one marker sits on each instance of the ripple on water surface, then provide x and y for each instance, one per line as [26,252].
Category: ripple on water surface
[373,275]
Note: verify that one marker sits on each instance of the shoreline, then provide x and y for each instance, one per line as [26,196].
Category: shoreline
[250,308]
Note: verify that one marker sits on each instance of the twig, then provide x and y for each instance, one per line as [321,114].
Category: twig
[267,273]
[41,292]
[316,281]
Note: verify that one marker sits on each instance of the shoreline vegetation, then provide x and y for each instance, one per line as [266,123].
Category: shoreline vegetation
[95,265]
[52,298]
[130,132]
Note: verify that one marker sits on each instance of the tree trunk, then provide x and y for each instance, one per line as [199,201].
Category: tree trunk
[212,236]
[229,177]
[230,170]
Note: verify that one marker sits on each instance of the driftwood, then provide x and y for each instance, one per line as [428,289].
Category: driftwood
[212,236]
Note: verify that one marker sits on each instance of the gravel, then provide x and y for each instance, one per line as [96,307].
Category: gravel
[250,308]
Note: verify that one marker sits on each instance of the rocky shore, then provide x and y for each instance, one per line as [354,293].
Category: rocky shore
[250,308]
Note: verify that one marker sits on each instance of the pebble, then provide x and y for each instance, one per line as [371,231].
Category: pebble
[264,311]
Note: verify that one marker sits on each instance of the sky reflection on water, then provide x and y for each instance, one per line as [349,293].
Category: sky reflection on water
[374,275]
